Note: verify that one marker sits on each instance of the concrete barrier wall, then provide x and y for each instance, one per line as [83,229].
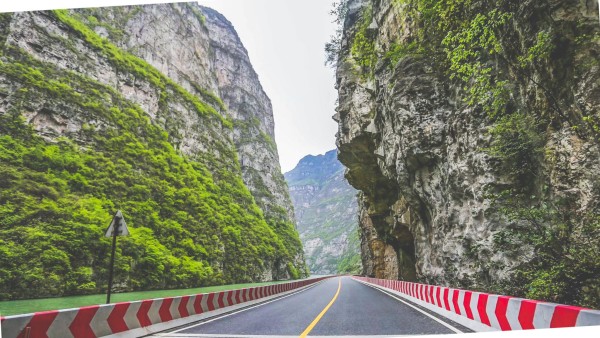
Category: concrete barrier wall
[495,312]
[114,319]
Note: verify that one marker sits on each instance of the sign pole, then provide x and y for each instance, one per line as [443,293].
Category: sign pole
[117,227]
[117,223]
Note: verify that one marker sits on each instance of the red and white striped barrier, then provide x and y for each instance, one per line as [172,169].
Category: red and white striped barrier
[495,312]
[119,318]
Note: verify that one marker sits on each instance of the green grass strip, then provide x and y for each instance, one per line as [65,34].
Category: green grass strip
[15,307]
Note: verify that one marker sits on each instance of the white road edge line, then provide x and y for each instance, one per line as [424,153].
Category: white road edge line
[201,335]
[241,310]
[414,307]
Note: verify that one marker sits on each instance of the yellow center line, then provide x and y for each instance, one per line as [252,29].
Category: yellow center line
[314,322]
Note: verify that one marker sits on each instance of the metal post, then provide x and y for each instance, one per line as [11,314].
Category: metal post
[112,257]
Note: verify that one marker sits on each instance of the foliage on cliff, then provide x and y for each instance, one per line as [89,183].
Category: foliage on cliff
[514,65]
[193,222]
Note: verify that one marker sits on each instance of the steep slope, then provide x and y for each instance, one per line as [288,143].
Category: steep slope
[471,129]
[254,136]
[88,127]
[327,214]
[213,61]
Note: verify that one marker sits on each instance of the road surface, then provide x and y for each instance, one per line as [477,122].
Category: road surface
[339,306]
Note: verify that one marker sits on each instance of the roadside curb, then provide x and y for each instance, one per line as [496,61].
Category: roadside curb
[482,312]
[138,318]
[185,322]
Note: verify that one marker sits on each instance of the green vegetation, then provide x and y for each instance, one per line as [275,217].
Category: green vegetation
[332,48]
[518,144]
[350,264]
[363,45]
[565,251]
[197,13]
[15,307]
[469,49]
[130,63]
[268,140]
[190,226]
[399,51]
[113,19]
[250,131]
[351,261]
[481,53]
[247,127]
[5,19]
[120,16]
[209,96]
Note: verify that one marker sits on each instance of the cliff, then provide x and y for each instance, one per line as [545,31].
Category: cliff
[154,110]
[471,130]
[327,214]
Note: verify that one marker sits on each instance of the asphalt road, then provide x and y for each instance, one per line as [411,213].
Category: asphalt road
[338,306]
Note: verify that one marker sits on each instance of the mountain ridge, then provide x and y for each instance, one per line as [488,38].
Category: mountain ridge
[326,212]
[99,113]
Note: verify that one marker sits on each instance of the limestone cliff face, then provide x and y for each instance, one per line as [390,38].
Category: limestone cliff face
[419,154]
[216,59]
[208,55]
[252,114]
[201,89]
[327,214]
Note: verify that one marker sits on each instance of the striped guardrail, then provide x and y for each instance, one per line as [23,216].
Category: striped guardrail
[120,318]
[482,311]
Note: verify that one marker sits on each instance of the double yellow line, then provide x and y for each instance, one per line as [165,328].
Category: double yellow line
[318,318]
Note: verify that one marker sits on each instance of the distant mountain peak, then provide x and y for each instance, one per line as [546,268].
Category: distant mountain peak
[326,213]
[315,169]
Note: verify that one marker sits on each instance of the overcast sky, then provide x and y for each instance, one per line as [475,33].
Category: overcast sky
[285,40]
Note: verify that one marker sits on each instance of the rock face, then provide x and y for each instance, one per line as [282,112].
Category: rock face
[254,128]
[182,70]
[252,115]
[209,57]
[327,214]
[419,152]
